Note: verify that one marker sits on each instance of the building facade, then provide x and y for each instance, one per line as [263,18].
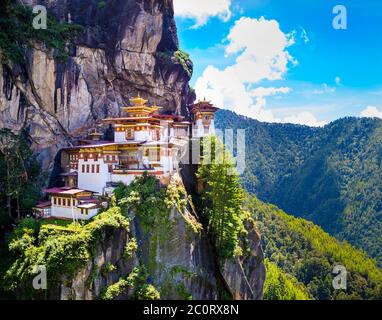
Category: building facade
[144,141]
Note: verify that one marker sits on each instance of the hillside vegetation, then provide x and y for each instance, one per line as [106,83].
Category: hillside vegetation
[331,175]
[302,257]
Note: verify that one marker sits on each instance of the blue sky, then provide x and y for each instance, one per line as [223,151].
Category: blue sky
[283,61]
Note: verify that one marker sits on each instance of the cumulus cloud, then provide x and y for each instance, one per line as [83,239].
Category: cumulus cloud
[260,48]
[371,112]
[202,10]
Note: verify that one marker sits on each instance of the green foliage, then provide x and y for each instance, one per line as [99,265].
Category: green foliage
[101,4]
[169,58]
[328,175]
[146,198]
[176,196]
[304,251]
[17,33]
[136,282]
[115,290]
[107,268]
[130,249]
[19,172]
[62,250]
[148,292]
[281,286]
[224,213]
[185,60]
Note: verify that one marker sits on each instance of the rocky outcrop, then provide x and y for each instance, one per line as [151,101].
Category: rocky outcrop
[180,260]
[245,276]
[91,281]
[127,47]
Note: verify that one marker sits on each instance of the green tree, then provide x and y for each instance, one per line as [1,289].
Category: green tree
[19,172]
[281,286]
[222,198]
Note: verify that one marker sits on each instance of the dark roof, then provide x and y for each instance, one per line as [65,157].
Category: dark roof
[43,205]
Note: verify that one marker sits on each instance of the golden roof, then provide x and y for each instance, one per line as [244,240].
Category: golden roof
[140,106]
[138,101]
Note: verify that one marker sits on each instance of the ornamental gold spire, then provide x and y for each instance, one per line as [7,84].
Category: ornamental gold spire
[138,101]
[140,108]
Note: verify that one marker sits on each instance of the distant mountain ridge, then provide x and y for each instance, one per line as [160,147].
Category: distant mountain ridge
[330,175]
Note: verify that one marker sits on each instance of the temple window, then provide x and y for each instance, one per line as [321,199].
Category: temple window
[129,134]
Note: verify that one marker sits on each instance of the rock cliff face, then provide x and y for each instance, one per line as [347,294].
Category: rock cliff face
[246,275]
[127,47]
[180,262]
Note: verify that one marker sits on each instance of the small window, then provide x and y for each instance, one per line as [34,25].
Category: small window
[59,201]
[97,168]
[93,168]
[129,134]
[54,200]
[87,168]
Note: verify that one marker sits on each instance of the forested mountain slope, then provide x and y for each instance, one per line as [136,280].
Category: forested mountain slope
[302,257]
[331,175]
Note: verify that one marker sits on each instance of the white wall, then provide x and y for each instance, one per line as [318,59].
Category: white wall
[67,212]
[167,164]
[93,181]
[119,136]
[142,135]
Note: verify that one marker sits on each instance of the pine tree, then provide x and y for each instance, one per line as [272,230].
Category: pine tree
[222,197]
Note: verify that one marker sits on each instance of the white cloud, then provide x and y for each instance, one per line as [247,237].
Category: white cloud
[325,89]
[305,118]
[304,35]
[202,10]
[260,48]
[338,80]
[371,112]
[261,52]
